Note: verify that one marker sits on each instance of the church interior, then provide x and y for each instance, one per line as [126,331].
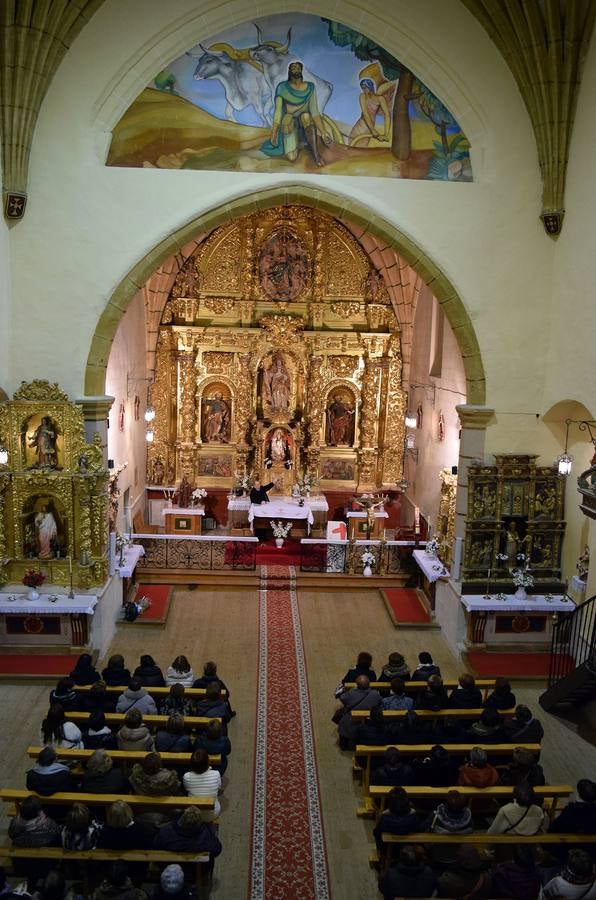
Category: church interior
[295,329]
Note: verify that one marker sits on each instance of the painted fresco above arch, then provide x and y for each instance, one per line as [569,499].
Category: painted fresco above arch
[238,101]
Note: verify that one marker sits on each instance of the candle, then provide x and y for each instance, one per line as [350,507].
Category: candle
[417,519]
[70,566]
[487,594]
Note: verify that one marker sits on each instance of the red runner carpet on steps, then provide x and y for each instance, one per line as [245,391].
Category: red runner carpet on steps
[270,555]
[37,664]
[160,595]
[406,605]
[512,665]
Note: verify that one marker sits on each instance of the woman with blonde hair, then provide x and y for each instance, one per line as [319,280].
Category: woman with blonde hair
[180,672]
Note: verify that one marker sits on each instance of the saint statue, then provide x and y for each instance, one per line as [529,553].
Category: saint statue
[46,532]
[217,419]
[276,385]
[339,417]
[514,543]
[183,495]
[44,440]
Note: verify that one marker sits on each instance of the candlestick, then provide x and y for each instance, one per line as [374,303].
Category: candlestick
[487,594]
[71,592]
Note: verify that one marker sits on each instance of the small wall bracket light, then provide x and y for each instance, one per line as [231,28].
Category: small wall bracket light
[150,435]
[149,414]
[411,420]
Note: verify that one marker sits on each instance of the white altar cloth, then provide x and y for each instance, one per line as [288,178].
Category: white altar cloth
[361,514]
[182,511]
[431,566]
[536,603]
[17,604]
[282,508]
[132,554]
[317,504]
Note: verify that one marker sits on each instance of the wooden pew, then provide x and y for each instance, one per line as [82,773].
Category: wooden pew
[372,752]
[135,801]
[200,860]
[117,720]
[161,692]
[123,756]
[426,714]
[551,794]
[412,687]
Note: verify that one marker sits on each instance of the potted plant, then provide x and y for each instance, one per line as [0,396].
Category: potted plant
[280,531]
[368,561]
[33,579]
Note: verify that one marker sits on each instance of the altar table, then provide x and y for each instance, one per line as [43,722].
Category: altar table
[242,512]
[183,520]
[358,524]
[53,618]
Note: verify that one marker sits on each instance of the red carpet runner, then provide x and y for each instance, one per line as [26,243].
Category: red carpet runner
[288,859]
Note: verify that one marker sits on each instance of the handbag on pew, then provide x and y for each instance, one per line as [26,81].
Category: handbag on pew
[338,715]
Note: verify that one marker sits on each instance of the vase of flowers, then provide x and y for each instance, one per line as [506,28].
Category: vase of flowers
[432,547]
[244,485]
[522,578]
[306,483]
[122,541]
[280,532]
[33,579]
[197,495]
[368,561]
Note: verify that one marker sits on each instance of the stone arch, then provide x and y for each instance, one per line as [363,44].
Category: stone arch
[337,205]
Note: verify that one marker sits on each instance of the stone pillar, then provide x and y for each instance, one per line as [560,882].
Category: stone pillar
[474,420]
[95,415]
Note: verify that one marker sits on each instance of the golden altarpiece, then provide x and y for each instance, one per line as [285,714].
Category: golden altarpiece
[279,354]
[53,491]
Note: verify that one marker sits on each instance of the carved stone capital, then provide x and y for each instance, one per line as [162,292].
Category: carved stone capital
[472,416]
[95,409]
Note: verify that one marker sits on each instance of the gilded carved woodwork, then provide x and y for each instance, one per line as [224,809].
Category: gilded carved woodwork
[53,491]
[446,515]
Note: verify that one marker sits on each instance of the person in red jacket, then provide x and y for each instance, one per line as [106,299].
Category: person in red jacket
[477,772]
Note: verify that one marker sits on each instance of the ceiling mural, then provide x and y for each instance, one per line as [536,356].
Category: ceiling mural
[292,93]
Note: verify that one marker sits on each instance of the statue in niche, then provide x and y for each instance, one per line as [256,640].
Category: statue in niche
[159,471]
[46,532]
[171,473]
[373,285]
[279,449]
[44,439]
[583,564]
[544,505]
[283,266]
[183,495]
[515,544]
[339,421]
[276,385]
[216,427]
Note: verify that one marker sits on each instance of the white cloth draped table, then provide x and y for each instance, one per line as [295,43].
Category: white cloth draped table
[81,603]
[431,566]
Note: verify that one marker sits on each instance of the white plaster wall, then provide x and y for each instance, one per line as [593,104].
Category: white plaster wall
[128,358]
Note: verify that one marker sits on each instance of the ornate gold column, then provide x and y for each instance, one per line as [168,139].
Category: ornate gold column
[243,396]
[314,411]
[186,443]
[368,453]
[393,407]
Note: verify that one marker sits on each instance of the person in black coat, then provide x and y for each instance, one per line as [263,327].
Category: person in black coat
[363,667]
[189,832]
[84,671]
[97,699]
[374,731]
[173,739]
[209,675]
[99,735]
[213,706]
[426,668]
[437,770]
[115,673]
[101,777]
[65,694]
[502,697]
[393,771]
[412,730]
[49,776]
[435,696]
[523,769]
[579,816]
[149,673]
[121,832]
[398,818]
[410,876]
[466,695]
[215,743]
[523,728]
[258,493]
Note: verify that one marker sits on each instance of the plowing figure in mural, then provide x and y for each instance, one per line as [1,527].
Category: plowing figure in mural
[296,120]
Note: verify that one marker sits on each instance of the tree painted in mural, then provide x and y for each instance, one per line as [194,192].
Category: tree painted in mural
[290,93]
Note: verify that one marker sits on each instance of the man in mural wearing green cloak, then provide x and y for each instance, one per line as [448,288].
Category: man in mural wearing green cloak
[296,117]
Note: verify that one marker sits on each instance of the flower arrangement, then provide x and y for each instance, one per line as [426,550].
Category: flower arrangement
[521,576]
[501,557]
[280,529]
[433,547]
[33,578]
[245,482]
[122,541]
[368,558]
[198,494]
[306,482]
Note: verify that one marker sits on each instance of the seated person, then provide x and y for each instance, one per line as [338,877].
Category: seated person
[151,778]
[467,876]
[80,831]
[173,738]
[579,816]
[393,770]
[97,699]
[84,671]
[502,697]
[360,697]
[434,696]
[477,772]
[398,818]
[57,730]
[102,777]
[210,675]
[488,729]
[180,672]
[363,667]
[397,699]
[115,673]
[173,886]
[30,827]
[466,695]
[118,884]
[136,697]
[576,880]
[215,742]
[121,832]
[412,730]
[374,731]
[523,728]
[521,816]
[203,781]
[410,876]
[518,878]
[176,703]
[148,672]
[134,734]
[437,770]
[48,776]
[453,816]
[258,493]
[523,769]
[64,693]
[213,705]
[395,667]
[99,734]
[425,668]
[189,832]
